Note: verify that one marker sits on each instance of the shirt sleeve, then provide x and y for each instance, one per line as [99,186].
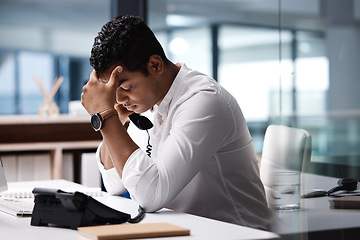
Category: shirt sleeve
[110,177]
[197,132]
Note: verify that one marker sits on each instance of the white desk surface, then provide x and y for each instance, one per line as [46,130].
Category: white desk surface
[315,214]
[200,228]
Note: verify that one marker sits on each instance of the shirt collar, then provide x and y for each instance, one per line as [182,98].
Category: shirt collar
[173,94]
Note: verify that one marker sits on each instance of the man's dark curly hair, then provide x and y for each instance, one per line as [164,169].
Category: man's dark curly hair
[126,40]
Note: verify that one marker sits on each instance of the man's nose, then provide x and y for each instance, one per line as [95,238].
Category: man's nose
[121,98]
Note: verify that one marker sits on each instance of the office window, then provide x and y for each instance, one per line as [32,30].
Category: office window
[311,73]
[249,68]
[49,38]
[191,46]
[32,64]
[7,89]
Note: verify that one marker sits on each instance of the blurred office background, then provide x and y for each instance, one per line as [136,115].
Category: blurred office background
[287,62]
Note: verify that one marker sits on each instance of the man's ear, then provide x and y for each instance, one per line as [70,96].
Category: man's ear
[156,64]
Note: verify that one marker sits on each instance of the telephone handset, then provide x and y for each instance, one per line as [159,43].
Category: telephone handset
[143,123]
[347,184]
[344,184]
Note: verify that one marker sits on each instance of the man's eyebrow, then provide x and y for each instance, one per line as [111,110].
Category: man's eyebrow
[121,82]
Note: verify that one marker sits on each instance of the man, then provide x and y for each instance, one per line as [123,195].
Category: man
[203,160]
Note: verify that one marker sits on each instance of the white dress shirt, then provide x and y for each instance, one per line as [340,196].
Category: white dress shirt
[203,160]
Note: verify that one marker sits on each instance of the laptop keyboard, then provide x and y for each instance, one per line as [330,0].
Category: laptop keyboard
[19,207]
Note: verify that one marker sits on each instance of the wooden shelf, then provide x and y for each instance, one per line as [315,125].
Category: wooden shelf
[24,133]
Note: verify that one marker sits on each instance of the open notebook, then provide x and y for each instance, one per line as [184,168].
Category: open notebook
[20,201]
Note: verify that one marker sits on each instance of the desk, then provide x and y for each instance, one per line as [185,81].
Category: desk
[315,219]
[29,133]
[200,228]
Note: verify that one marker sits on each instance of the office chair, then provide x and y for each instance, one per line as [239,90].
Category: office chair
[284,148]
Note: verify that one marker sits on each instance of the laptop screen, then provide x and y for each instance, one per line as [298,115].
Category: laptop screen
[3,183]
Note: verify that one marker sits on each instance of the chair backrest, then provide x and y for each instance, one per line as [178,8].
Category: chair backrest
[284,148]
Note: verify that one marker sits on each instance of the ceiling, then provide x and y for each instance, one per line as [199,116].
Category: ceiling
[86,14]
[39,24]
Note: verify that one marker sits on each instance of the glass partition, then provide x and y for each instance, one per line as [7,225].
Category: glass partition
[287,62]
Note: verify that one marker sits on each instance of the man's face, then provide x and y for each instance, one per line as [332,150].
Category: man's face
[135,91]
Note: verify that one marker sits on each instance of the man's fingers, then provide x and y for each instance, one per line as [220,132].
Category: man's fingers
[114,79]
[93,76]
[123,113]
[122,110]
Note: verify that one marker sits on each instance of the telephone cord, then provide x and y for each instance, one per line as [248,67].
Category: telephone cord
[148,147]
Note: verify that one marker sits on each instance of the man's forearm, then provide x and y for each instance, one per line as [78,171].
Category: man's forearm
[118,145]
[105,157]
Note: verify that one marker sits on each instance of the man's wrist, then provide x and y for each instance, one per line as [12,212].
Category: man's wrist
[98,119]
[107,113]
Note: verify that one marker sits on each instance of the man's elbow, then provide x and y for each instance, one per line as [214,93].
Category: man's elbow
[149,200]
[151,209]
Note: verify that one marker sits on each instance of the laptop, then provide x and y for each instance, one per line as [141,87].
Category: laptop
[20,207]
